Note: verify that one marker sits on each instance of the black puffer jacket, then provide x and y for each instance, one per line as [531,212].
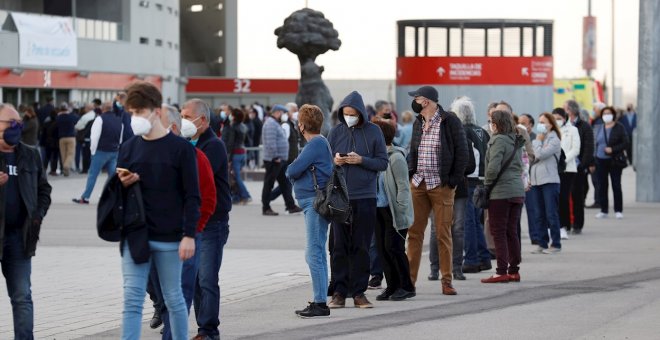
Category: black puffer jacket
[453,154]
[586,156]
[617,138]
[234,137]
[35,194]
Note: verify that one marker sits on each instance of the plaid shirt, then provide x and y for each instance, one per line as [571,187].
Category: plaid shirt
[428,165]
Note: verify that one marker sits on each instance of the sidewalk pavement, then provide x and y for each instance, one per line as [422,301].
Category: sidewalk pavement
[604,284]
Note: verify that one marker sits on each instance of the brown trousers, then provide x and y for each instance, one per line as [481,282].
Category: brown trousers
[441,201]
[67,153]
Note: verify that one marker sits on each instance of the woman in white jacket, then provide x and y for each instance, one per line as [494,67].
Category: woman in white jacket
[570,143]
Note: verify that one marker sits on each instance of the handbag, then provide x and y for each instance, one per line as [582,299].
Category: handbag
[481,196]
[332,202]
[619,161]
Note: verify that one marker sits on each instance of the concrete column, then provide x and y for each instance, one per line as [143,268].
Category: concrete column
[647,152]
[231,38]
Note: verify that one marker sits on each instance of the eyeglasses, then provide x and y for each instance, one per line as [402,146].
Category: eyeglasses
[13,123]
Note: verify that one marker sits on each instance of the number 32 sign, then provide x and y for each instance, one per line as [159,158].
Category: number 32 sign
[242,86]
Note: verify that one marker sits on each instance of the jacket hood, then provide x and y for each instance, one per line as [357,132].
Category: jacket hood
[392,149]
[354,100]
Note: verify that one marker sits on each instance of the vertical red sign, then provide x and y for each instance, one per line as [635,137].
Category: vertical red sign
[589,43]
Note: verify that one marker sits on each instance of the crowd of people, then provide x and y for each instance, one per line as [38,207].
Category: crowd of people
[179,171]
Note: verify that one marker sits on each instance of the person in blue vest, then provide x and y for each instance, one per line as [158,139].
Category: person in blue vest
[105,137]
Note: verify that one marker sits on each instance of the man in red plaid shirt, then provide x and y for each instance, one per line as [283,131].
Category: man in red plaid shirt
[438,157]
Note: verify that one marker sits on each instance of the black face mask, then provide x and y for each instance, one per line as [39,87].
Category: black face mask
[416,107]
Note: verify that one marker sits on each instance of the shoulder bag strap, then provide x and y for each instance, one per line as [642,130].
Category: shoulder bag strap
[313,170]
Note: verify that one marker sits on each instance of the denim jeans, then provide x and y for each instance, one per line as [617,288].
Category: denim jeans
[207,289]
[188,276]
[100,160]
[165,255]
[531,208]
[237,163]
[547,217]
[16,268]
[476,250]
[317,235]
[375,266]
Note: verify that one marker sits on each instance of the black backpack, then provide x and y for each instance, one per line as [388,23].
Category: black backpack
[332,202]
[479,138]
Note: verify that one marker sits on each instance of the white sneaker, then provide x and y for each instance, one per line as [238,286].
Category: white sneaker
[563,234]
[601,215]
[619,216]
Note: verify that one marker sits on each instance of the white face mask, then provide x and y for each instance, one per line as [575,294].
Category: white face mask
[285,117]
[188,128]
[608,118]
[294,116]
[351,120]
[141,126]
[560,122]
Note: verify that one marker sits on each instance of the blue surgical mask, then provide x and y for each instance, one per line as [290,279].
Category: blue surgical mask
[12,135]
[223,115]
[540,128]
[194,141]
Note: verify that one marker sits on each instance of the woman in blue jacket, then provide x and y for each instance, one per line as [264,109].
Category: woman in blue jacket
[316,155]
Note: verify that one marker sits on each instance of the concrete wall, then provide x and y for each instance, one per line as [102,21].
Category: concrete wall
[370,89]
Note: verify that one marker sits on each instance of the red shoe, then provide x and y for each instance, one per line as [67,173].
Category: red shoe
[496,279]
[514,277]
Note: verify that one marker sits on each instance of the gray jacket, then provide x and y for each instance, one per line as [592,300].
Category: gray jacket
[544,168]
[397,188]
[275,143]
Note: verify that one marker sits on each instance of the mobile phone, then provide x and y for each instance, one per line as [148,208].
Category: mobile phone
[343,155]
[123,170]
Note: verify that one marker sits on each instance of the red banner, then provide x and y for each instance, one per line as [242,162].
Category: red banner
[70,79]
[241,86]
[474,70]
[589,43]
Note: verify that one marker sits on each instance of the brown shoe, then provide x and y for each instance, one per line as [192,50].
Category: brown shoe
[337,301]
[361,301]
[447,289]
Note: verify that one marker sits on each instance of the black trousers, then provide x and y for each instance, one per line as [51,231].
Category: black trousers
[567,181]
[391,246]
[604,169]
[52,157]
[86,156]
[275,171]
[350,251]
[578,194]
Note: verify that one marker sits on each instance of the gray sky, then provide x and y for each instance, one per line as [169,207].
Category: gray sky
[367,29]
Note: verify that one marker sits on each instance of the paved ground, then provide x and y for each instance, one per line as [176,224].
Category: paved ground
[604,285]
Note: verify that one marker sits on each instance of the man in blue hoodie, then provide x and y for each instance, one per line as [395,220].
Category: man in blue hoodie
[359,148]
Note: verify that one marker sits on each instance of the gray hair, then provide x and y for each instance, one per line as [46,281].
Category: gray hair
[573,107]
[379,104]
[290,106]
[173,116]
[464,109]
[599,105]
[201,108]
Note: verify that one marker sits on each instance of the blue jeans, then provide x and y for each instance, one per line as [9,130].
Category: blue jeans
[317,235]
[188,276]
[207,289]
[16,268]
[165,255]
[375,268]
[100,160]
[476,250]
[546,197]
[530,206]
[237,163]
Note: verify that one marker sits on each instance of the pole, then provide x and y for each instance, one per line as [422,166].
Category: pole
[588,14]
[613,74]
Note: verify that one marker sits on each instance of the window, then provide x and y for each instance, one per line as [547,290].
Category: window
[159,7]
[159,42]
[144,41]
[196,8]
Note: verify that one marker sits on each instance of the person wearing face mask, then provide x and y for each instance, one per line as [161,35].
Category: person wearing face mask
[570,143]
[216,232]
[235,137]
[292,136]
[359,148]
[437,162]
[544,177]
[24,201]
[166,168]
[118,107]
[185,129]
[611,142]
[105,138]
